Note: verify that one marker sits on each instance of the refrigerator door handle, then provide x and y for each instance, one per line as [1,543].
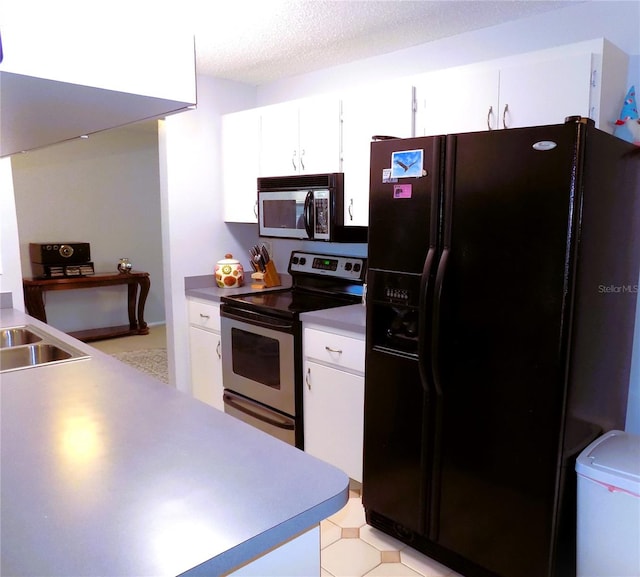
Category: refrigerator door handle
[435,341]
[422,321]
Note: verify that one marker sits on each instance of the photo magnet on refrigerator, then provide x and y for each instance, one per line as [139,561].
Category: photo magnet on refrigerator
[407,163]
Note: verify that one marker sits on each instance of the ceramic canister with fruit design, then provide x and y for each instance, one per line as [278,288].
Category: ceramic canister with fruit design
[229,272]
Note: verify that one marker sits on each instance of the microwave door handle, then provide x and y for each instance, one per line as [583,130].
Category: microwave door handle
[309,223]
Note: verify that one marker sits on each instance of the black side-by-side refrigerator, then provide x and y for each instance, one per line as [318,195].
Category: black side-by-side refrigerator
[502,288]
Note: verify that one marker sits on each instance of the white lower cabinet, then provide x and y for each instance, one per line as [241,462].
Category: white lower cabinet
[333,398]
[205,351]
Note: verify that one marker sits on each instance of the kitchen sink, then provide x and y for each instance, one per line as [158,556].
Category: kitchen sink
[17,336]
[26,346]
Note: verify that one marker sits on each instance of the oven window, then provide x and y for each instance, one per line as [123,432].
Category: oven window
[256,357]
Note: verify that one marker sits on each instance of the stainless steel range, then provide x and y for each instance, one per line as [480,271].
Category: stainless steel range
[262,340]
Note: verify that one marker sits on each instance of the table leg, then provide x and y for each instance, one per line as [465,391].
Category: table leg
[33,297]
[145,284]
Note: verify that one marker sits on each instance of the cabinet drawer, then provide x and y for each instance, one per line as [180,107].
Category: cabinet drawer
[204,314]
[335,349]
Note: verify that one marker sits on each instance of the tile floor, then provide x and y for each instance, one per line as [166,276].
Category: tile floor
[351,548]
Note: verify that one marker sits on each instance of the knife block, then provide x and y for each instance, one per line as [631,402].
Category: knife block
[267,279]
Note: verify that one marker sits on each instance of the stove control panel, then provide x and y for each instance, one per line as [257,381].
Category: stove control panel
[351,268]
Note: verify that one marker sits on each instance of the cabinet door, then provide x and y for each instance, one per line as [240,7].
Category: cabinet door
[206,366]
[380,110]
[240,161]
[539,93]
[302,136]
[319,136]
[334,417]
[454,100]
[279,139]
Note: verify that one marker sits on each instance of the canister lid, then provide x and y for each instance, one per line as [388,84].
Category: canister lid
[228,259]
[613,459]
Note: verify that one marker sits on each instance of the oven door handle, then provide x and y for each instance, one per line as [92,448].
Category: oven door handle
[257,412]
[257,319]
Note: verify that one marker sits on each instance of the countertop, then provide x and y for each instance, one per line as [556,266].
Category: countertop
[204,287]
[106,471]
[350,318]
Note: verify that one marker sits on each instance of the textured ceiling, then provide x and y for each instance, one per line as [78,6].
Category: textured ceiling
[258,41]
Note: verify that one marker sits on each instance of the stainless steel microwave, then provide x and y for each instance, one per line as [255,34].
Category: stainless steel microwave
[306,207]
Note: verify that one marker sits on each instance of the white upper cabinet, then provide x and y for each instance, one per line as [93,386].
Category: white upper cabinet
[300,137]
[380,110]
[59,82]
[546,92]
[240,162]
[333,134]
[533,89]
[456,100]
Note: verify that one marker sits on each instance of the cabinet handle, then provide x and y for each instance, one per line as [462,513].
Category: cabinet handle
[302,160]
[330,350]
[293,161]
[504,116]
[307,378]
[218,350]
[351,209]
[255,209]
[489,115]
[204,316]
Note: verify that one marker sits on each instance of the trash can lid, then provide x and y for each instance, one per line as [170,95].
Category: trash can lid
[613,459]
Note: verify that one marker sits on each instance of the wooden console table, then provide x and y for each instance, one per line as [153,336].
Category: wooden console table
[35,288]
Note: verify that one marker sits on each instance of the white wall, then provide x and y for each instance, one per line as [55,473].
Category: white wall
[194,234]
[103,190]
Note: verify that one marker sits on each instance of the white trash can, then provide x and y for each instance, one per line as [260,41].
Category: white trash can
[608,516]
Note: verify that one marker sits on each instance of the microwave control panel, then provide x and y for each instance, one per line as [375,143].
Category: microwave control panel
[321,211]
[345,267]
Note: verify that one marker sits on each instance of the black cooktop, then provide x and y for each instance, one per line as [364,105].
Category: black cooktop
[289,302]
[319,282]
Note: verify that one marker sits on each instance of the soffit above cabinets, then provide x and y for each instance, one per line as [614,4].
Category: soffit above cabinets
[60,80]
[37,112]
